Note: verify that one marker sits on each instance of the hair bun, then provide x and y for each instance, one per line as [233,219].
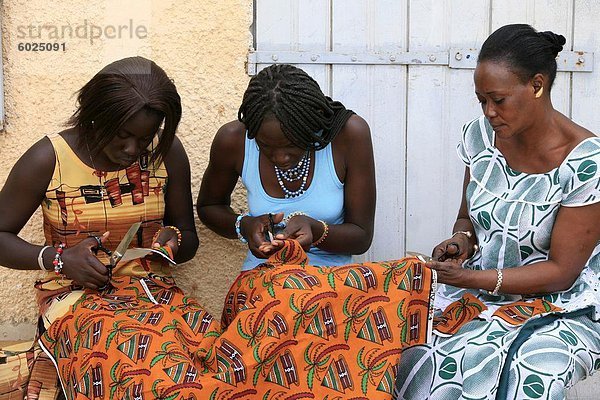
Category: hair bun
[557,41]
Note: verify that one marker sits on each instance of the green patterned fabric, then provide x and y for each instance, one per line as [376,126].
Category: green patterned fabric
[513,214]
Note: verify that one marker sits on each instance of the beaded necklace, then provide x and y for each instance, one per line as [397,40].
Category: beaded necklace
[298,172]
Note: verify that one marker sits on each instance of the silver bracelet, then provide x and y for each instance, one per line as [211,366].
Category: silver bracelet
[41,258]
[498,283]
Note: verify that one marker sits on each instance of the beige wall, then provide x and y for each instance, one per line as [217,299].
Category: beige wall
[201,44]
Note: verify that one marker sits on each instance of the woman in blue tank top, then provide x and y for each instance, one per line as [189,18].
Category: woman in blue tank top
[307,165]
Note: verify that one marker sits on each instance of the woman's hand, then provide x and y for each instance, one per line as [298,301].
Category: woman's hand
[298,228]
[81,265]
[450,272]
[167,237]
[256,229]
[454,249]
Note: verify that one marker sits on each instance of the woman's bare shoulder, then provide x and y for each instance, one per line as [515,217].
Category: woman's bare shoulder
[357,127]
[230,136]
[39,157]
[356,132]
[227,150]
[33,170]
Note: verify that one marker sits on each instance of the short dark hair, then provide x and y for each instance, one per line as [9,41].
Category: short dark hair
[116,93]
[308,118]
[524,49]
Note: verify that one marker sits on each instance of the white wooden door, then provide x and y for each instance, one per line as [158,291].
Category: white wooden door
[416,107]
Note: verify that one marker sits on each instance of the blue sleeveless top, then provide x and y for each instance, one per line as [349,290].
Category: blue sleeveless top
[324,200]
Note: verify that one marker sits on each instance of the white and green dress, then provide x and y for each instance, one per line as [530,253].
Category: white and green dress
[507,346]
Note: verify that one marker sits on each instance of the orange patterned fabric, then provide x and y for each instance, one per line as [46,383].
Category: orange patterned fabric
[519,312]
[143,339]
[324,332]
[458,314]
[469,307]
[289,331]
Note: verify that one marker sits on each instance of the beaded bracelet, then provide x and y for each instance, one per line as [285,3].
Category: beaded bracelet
[238,223]
[40,258]
[498,283]
[292,215]
[324,235]
[177,231]
[58,262]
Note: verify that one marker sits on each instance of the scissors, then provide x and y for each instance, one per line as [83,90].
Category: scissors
[116,255]
[270,229]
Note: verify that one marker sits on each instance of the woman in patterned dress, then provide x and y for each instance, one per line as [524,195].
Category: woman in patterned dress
[118,163]
[521,270]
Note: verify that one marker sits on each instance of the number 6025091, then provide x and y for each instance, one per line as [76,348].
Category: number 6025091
[41,46]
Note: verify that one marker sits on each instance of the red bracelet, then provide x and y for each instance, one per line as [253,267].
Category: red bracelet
[58,262]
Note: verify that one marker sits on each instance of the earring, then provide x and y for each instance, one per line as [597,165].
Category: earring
[538,94]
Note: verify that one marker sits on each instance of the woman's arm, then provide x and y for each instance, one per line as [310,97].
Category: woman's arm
[459,246]
[575,234]
[22,194]
[219,180]
[354,236]
[179,209]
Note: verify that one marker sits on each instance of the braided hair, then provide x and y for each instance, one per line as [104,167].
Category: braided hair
[526,51]
[308,118]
